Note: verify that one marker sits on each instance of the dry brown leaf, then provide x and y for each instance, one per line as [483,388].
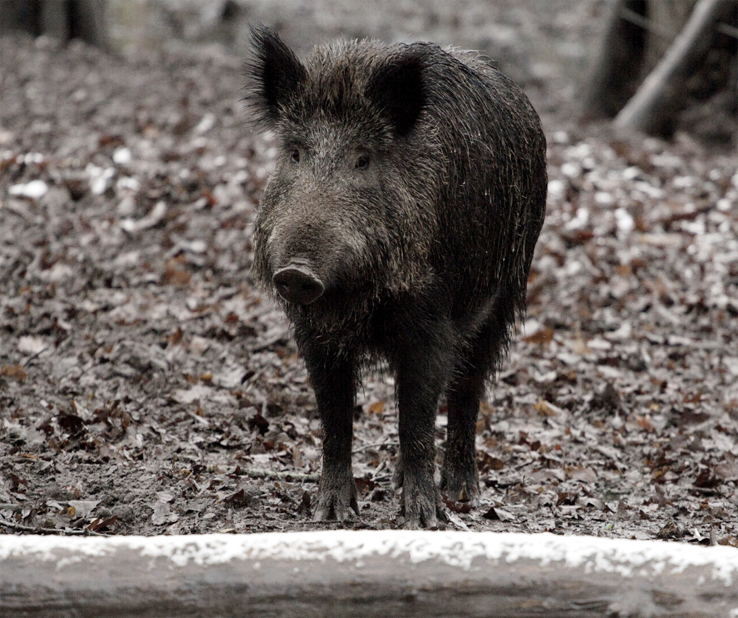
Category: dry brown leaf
[541,337]
[15,372]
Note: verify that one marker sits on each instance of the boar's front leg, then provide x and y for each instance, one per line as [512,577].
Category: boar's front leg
[422,372]
[334,381]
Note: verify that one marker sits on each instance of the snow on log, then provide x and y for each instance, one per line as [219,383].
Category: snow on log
[364,573]
[652,108]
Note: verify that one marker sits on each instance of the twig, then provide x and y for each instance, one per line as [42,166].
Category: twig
[286,476]
[350,522]
[650,109]
[40,530]
[654,28]
[27,362]
[645,23]
[269,342]
[727,29]
[366,446]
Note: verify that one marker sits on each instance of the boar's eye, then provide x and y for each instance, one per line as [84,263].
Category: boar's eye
[362,162]
[295,155]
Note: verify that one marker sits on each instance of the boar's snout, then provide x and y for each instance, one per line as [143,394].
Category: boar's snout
[298,284]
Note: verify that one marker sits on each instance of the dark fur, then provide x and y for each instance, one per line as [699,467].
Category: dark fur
[424,254]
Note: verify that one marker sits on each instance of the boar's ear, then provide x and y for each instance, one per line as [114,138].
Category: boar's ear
[398,89]
[275,73]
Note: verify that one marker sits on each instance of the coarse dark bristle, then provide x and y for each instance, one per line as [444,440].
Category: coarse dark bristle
[408,194]
[275,73]
[345,81]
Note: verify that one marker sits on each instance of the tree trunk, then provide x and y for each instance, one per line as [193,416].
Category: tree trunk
[60,19]
[54,19]
[20,15]
[88,22]
[699,74]
[654,106]
[668,18]
[617,69]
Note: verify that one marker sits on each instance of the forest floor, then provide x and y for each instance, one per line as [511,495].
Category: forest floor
[147,387]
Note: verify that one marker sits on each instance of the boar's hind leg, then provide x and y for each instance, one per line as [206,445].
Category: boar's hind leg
[334,382]
[459,475]
[421,376]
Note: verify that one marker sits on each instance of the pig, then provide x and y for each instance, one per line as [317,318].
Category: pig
[398,226]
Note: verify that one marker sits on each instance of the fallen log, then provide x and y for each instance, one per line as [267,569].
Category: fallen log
[652,108]
[364,573]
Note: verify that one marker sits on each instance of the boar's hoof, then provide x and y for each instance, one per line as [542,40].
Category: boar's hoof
[336,504]
[421,501]
[423,513]
[460,484]
[298,284]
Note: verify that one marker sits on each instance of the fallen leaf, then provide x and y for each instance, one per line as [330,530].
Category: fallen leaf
[304,507]
[31,345]
[156,215]
[102,524]
[541,337]
[728,469]
[83,508]
[199,392]
[15,372]
[163,514]
[584,475]
[498,514]
[238,499]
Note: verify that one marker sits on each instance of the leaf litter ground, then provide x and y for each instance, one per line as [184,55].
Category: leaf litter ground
[147,387]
